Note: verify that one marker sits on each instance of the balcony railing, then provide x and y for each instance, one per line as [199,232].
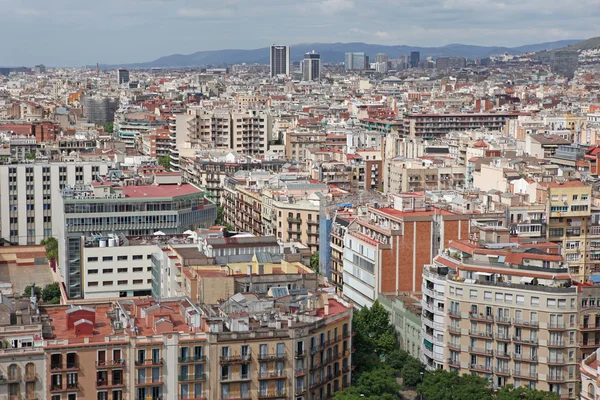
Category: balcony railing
[271,356]
[149,362]
[192,377]
[236,358]
[191,359]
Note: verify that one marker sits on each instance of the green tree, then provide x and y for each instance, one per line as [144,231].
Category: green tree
[220,215]
[51,292]
[397,359]
[38,291]
[109,127]
[165,162]
[314,261]
[51,248]
[509,392]
[411,372]
[377,384]
[30,156]
[444,385]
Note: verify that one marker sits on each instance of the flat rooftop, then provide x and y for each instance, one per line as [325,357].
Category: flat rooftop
[160,190]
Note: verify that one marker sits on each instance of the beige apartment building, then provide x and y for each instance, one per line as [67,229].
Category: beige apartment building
[298,221]
[506,312]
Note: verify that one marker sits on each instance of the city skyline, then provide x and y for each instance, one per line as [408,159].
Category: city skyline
[118,32]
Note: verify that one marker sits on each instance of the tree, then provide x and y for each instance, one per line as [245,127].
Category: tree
[444,385]
[397,359]
[509,392]
[109,127]
[51,292]
[378,384]
[165,162]
[220,215]
[314,262]
[411,372]
[51,248]
[38,291]
[30,156]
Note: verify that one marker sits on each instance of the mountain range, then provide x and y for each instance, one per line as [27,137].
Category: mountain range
[334,53]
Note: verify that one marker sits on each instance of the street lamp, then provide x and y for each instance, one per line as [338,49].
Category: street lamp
[421,394]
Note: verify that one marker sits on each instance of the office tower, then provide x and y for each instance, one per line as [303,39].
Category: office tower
[450,62]
[280,60]
[415,57]
[564,63]
[39,69]
[356,61]
[122,76]
[88,211]
[381,63]
[100,109]
[311,67]
[32,196]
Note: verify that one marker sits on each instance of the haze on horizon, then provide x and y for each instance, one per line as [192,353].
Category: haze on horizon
[80,32]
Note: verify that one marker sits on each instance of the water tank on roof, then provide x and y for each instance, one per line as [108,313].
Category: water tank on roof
[102,242]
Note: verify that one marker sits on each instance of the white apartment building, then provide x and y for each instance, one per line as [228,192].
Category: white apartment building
[30,192]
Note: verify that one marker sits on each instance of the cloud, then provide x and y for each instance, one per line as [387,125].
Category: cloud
[204,13]
[383,35]
[335,6]
[30,12]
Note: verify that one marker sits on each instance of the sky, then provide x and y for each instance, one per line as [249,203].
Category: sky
[84,32]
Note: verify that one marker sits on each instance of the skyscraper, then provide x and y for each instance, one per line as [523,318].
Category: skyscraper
[356,61]
[415,56]
[122,76]
[564,63]
[280,60]
[381,63]
[311,67]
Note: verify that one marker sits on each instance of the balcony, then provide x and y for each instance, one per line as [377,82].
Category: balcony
[527,324]
[556,378]
[31,377]
[502,371]
[556,360]
[294,220]
[236,378]
[69,366]
[155,362]
[557,326]
[481,368]
[523,357]
[454,346]
[454,362]
[149,381]
[480,317]
[110,364]
[191,360]
[481,333]
[272,375]
[529,341]
[236,359]
[454,329]
[525,375]
[556,343]
[10,379]
[55,388]
[188,378]
[104,383]
[504,336]
[482,351]
[271,394]
[300,354]
[454,313]
[502,354]
[503,320]
[237,396]
[271,357]
[300,390]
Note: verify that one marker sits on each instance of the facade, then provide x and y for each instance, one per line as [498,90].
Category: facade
[122,76]
[439,125]
[175,350]
[30,195]
[450,62]
[311,67]
[356,61]
[415,57]
[88,211]
[280,60]
[564,63]
[100,109]
[507,313]
[405,316]
[590,373]
[385,250]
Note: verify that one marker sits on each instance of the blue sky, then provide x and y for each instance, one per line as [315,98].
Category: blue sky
[79,32]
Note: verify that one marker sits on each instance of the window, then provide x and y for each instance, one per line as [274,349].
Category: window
[499,297]
[107,271]
[92,271]
[122,270]
[562,303]
[575,197]
[508,298]
[459,291]
[473,293]
[107,258]
[138,269]
[107,283]
[535,301]
[138,281]
[137,257]
[92,284]
[520,299]
[122,282]
[487,295]
[551,303]
[92,259]
[122,258]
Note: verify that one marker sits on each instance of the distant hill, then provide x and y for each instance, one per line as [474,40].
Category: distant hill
[334,53]
[590,44]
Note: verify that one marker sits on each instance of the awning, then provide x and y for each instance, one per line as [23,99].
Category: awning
[483,273]
[595,278]
[526,279]
[492,255]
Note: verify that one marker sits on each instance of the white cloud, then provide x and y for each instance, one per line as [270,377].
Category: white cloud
[204,13]
[335,6]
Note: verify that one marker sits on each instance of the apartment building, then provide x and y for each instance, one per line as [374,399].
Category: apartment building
[405,316]
[22,366]
[30,193]
[339,227]
[140,349]
[573,224]
[385,250]
[438,125]
[156,143]
[502,310]
[105,209]
[298,143]
[588,319]
[590,371]
[409,175]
